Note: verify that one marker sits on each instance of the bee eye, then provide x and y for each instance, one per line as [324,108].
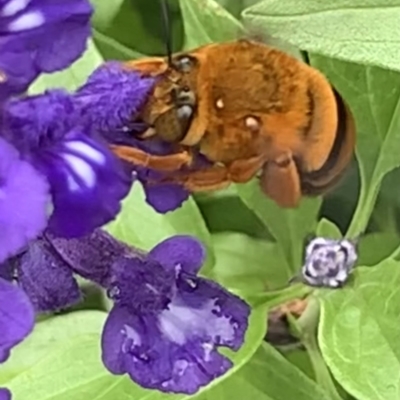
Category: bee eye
[184,112]
[184,63]
[184,96]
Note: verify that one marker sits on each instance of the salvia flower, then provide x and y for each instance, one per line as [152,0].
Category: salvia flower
[39,36]
[87,182]
[167,323]
[328,262]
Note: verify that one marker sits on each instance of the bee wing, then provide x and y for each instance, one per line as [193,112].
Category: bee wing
[320,181]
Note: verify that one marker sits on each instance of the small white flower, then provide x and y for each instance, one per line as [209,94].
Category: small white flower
[329,262]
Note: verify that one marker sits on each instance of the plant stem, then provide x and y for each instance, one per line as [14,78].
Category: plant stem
[307,326]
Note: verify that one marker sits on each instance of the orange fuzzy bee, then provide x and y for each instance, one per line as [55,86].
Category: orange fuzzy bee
[249,109]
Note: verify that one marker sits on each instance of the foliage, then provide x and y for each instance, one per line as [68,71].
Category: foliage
[254,247]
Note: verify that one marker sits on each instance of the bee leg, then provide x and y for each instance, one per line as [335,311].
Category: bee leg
[280,181]
[170,162]
[215,177]
[241,171]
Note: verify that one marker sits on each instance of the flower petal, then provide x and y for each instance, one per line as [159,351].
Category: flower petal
[142,285]
[17,317]
[135,345]
[16,74]
[46,278]
[164,197]
[200,300]
[34,31]
[90,256]
[184,251]
[111,97]
[5,394]
[88,184]
[22,216]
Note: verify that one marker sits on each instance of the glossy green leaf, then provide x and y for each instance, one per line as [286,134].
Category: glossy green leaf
[124,28]
[369,36]
[61,360]
[140,225]
[270,374]
[328,229]
[373,95]
[205,21]
[247,265]
[290,227]
[359,332]
[73,76]
[375,247]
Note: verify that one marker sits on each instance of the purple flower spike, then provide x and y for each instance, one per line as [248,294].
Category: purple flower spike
[167,323]
[112,97]
[87,181]
[17,317]
[32,34]
[24,201]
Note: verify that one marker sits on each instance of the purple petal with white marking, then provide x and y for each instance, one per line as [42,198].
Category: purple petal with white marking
[46,278]
[181,251]
[88,184]
[22,216]
[17,317]
[226,314]
[135,344]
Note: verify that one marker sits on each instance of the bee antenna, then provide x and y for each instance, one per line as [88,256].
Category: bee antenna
[167,29]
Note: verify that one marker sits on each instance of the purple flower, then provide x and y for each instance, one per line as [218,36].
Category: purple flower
[24,201]
[87,181]
[167,322]
[110,102]
[39,36]
[156,331]
[45,270]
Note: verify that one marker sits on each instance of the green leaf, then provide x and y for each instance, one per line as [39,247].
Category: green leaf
[248,266]
[375,247]
[359,332]
[274,378]
[205,21]
[369,36]
[111,49]
[225,211]
[141,226]
[124,28]
[374,97]
[328,229]
[47,337]
[290,227]
[72,77]
[61,360]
